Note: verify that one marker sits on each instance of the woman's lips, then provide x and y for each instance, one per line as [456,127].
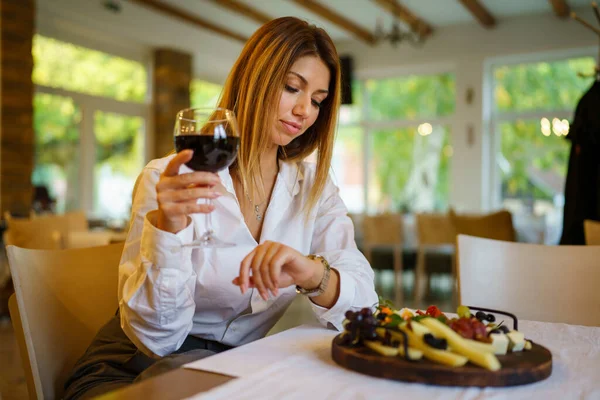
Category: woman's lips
[291,127]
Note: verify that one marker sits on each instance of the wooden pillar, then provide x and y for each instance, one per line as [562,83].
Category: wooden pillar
[172,77]
[17,139]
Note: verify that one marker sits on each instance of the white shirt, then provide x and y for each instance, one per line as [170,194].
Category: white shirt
[167,292]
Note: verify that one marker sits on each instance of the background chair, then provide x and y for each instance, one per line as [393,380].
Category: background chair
[592,232]
[385,230]
[535,282]
[35,233]
[497,225]
[435,235]
[62,298]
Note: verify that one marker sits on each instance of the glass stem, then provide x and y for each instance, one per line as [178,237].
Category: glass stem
[209,231]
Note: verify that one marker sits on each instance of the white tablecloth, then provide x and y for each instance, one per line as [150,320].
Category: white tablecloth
[297,364]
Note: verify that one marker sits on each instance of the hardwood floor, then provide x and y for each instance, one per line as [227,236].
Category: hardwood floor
[12,379]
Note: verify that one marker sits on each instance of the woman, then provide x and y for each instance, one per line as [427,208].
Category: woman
[285,216]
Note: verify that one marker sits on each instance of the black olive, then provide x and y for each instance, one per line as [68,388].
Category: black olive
[441,344]
[481,316]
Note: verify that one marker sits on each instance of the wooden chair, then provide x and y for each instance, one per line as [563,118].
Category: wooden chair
[535,282]
[385,230]
[37,233]
[435,233]
[62,298]
[497,225]
[592,232]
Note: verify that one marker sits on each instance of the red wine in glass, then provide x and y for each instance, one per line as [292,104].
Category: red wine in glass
[210,154]
[212,133]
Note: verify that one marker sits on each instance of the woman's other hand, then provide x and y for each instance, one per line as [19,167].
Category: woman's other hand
[177,194]
[275,265]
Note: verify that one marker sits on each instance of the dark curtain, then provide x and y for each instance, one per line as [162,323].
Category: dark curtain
[582,188]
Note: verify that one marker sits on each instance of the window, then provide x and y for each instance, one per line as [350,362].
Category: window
[407,123]
[348,153]
[119,154]
[204,94]
[533,103]
[409,168]
[90,116]
[69,67]
[412,97]
[56,122]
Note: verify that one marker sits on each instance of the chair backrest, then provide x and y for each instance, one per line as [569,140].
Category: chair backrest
[71,221]
[77,221]
[534,282]
[63,298]
[36,233]
[81,239]
[435,229]
[497,225]
[382,229]
[592,232]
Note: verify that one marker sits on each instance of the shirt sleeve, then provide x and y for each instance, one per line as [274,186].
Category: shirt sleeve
[156,278]
[333,238]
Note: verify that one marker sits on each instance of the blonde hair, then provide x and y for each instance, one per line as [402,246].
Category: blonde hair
[253,89]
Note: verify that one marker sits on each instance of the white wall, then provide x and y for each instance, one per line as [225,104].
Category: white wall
[467,50]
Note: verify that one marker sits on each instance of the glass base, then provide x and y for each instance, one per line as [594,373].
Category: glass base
[209,241]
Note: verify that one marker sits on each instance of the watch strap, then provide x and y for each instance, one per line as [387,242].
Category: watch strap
[319,290]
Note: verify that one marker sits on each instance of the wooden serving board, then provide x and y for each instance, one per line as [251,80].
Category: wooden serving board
[517,368]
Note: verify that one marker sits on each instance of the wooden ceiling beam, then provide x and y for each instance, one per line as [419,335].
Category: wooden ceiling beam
[244,10]
[560,7]
[338,20]
[399,11]
[189,18]
[481,14]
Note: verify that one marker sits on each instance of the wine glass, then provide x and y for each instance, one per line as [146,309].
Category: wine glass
[213,135]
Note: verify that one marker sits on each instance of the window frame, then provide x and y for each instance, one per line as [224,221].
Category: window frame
[370,126]
[493,118]
[89,104]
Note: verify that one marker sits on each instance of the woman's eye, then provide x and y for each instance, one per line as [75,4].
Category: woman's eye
[316,104]
[291,89]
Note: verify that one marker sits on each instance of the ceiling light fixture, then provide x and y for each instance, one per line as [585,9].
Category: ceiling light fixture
[397,34]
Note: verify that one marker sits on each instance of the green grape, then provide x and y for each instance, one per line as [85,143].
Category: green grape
[463,312]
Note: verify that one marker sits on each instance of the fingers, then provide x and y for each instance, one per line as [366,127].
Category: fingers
[263,274]
[186,208]
[270,269]
[184,195]
[181,158]
[177,194]
[192,179]
[243,280]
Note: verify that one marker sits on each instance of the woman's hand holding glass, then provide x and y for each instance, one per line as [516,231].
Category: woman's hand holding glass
[178,195]
[275,265]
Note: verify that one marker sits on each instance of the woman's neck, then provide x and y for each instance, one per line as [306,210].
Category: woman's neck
[269,168]
[269,164]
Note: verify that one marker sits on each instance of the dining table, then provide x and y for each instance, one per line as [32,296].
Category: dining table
[297,364]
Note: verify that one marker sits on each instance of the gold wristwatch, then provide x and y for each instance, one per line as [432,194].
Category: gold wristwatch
[319,290]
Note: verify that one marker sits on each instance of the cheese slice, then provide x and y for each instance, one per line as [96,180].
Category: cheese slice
[499,342]
[517,340]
